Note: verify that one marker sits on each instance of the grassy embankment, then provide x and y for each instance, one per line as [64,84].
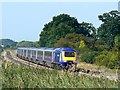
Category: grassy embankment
[21,76]
[96,67]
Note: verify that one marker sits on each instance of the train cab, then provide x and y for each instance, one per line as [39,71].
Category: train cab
[65,56]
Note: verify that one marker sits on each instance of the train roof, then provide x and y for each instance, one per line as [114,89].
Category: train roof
[48,49]
[65,49]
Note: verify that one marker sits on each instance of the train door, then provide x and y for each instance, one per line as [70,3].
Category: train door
[56,57]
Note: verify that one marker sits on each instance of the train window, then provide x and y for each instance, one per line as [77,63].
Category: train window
[28,51]
[40,52]
[24,52]
[20,51]
[33,52]
[69,54]
[17,51]
[47,53]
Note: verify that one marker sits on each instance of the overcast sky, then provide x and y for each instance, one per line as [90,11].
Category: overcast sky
[25,21]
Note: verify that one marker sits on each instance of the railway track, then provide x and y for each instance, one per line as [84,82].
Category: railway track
[11,57]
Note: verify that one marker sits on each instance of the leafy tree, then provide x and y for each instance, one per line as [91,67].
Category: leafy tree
[110,27]
[108,59]
[100,45]
[117,41]
[76,41]
[117,46]
[25,44]
[87,29]
[60,26]
[88,56]
[63,42]
[36,44]
[8,43]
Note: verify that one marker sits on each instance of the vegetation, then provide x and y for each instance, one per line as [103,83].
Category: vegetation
[7,43]
[25,44]
[1,49]
[60,26]
[20,76]
[100,46]
[28,44]
[110,27]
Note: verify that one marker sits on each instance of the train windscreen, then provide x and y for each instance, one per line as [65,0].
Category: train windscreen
[69,54]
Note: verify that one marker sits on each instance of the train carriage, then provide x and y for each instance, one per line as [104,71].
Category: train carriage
[62,57]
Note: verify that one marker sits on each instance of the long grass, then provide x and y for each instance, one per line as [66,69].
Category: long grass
[21,76]
[96,67]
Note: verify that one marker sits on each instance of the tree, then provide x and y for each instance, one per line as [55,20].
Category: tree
[8,43]
[60,26]
[76,41]
[36,44]
[25,44]
[108,59]
[100,45]
[110,27]
[63,42]
[87,29]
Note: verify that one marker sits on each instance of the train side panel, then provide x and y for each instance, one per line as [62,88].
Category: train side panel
[49,56]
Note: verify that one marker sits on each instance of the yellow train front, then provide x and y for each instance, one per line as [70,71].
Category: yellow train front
[66,57]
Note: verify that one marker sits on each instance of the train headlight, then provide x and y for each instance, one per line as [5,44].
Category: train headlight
[65,61]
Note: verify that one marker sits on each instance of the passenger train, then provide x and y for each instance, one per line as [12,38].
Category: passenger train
[64,58]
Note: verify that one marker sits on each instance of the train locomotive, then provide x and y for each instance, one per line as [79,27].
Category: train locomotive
[63,58]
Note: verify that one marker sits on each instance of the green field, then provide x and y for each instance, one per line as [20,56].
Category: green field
[21,76]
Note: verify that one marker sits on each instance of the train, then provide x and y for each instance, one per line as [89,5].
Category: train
[62,58]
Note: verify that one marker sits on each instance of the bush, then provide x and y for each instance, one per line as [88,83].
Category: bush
[89,57]
[108,59]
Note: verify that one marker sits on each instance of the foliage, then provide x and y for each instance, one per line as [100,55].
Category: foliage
[8,43]
[60,26]
[70,40]
[117,45]
[73,40]
[110,27]
[117,41]
[63,42]
[82,44]
[21,76]
[1,49]
[28,44]
[36,44]
[25,44]
[108,59]
[100,45]
[87,55]
[108,35]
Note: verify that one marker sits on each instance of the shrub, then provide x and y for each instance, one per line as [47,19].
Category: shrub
[89,57]
[108,59]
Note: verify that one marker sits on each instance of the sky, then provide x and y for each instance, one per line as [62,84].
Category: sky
[25,20]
